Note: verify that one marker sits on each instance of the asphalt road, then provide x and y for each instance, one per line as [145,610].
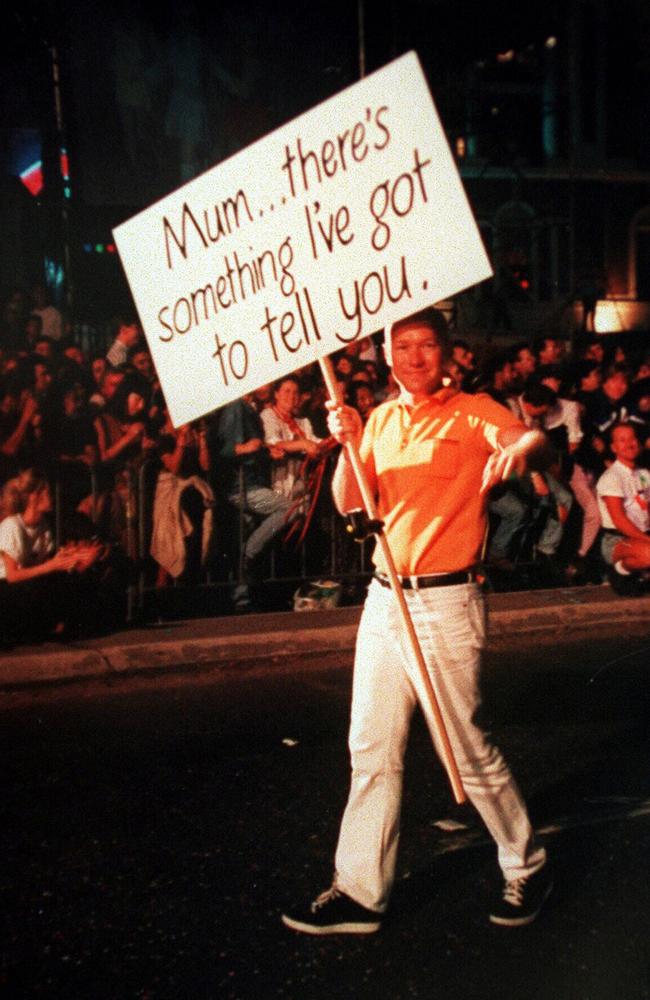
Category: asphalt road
[153,831]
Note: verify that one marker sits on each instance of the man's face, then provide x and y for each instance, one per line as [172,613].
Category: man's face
[141,361]
[615,386]
[364,398]
[73,353]
[505,376]
[42,378]
[625,445]
[524,364]
[463,357]
[417,359]
[591,381]
[287,397]
[551,352]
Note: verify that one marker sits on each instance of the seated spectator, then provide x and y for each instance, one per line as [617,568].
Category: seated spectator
[562,423]
[545,489]
[246,482]
[42,590]
[624,499]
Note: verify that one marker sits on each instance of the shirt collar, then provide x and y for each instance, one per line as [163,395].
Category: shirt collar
[438,398]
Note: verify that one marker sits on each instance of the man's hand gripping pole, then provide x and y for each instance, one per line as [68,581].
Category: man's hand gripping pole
[371,511]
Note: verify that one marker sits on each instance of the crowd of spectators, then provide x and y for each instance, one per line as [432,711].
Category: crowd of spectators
[93,432]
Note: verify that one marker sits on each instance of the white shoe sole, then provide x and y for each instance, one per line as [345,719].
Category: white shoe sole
[343,928]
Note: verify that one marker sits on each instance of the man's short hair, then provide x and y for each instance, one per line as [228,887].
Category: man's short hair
[495,363]
[431,317]
[539,395]
[615,427]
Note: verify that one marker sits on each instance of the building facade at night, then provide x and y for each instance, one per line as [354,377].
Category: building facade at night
[108,108]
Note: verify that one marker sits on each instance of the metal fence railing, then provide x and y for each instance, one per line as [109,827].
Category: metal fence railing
[326,552]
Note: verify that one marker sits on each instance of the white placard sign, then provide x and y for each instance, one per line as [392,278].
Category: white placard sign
[328,229]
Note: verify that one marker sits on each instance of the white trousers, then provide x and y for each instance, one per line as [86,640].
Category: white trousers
[450,624]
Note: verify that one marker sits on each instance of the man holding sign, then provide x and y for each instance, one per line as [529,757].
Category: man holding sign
[429,456]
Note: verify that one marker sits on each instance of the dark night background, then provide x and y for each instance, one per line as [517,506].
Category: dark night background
[149,99]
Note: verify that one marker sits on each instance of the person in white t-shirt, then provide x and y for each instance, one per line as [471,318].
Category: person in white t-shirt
[624,500]
[50,316]
[37,584]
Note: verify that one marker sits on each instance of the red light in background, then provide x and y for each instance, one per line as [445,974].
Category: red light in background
[32,178]
[65,166]
[110,248]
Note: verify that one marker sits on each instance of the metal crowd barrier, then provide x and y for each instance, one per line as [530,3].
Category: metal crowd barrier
[342,560]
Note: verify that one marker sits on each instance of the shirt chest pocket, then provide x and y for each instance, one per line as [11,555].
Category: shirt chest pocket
[444,458]
[437,458]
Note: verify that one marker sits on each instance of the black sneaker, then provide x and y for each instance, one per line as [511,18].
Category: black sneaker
[333,913]
[522,899]
[625,584]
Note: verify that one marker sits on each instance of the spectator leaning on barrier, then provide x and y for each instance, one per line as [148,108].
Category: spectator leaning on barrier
[624,499]
[549,498]
[246,481]
[562,423]
[291,436]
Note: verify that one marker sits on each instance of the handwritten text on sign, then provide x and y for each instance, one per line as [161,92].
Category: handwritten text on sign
[326,230]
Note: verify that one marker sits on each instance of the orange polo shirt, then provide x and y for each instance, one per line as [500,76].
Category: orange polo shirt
[427,463]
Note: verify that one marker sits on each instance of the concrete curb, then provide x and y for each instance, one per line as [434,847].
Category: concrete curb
[220,643]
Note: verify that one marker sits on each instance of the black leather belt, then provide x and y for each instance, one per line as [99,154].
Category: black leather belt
[421,582]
